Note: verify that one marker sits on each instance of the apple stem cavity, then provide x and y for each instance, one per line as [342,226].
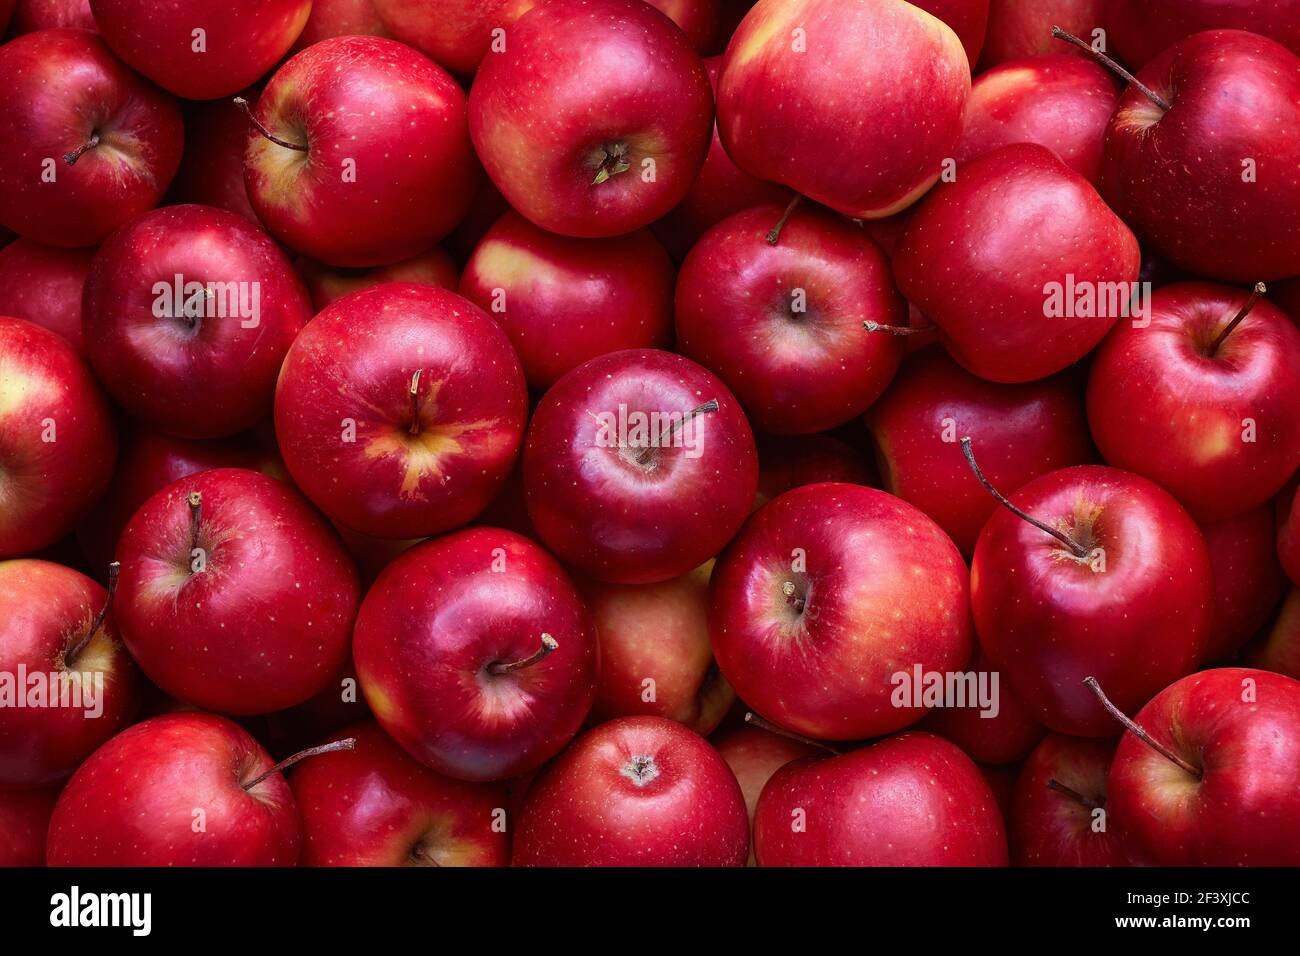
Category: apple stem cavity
[1136,729]
[243,105]
[348,743]
[195,501]
[549,644]
[1114,67]
[666,436]
[1244,311]
[72,157]
[757,721]
[615,162]
[896,329]
[775,232]
[415,402]
[792,598]
[98,622]
[1078,550]
[1074,795]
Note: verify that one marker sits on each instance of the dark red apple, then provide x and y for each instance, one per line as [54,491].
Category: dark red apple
[1288,533]
[454,33]
[1248,579]
[327,285]
[1059,815]
[43,284]
[212,169]
[594,119]
[476,654]
[827,595]
[85,144]
[910,800]
[638,791]
[968,19]
[33,15]
[322,167]
[1020,28]
[1140,30]
[340,18]
[700,20]
[789,461]
[58,443]
[1279,651]
[563,301]
[1001,734]
[753,756]
[639,466]
[24,816]
[411,426]
[783,325]
[235,596]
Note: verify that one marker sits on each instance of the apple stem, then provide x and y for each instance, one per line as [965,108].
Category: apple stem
[775,232]
[549,644]
[243,105]
[794,600]
[897,329]
[1074,795]
[349,743]
[1078,550]
[415,402]
[196,518]
[98,621]
[670,432]
[72,157]
[615,162]
[1136,729]
[771,728]
[1110,64]
[1254,297]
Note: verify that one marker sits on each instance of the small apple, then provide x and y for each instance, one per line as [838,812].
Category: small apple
[24,815]
[327,285]
[453,33]
[1002,737]
[1288,533]
[33,15]
[754,754]
[43,284]
[1140,30]
[789,461]
[1020,28]
[1280,649]
[1248,579]
[340,18]
[212,169]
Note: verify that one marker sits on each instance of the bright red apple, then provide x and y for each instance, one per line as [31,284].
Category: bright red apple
[1248,579]
[754,755]
[1140,30]
[412,426]
[454,33]
[327,285]
[340,18]
[43,284]
[1020,28]
[638,791]
[24,815]
[212,169]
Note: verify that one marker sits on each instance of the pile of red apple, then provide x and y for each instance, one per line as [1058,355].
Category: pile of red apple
[968,338]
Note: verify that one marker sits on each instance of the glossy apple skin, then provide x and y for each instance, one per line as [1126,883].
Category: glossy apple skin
[33,15]
[658,632]
[1020,28]
[212,169]
[1141,30]
[1245,809]
[327,285]
[389,482]
[377,806]
[782,325]
[1160,405]
[1288,534]
[968,19]
[195,379]
[271,562]
[62,86]
[1280,649]
[434,622]
[592,807]
[46,610]
[47,486]
[1060,101]
[453,33]
[777,109]
[1018,432]
[43,284]
[979,252]
[1248,578]
[352,198]
[1048,620]
[245,38]
[340,18]
[133,802]
[1177,177]
[1004,739]
[1049,828]
[884,590]
[753,756]
[24,820]
[576,80]
[912,799]
[563,301]
[597,506]
[788,461]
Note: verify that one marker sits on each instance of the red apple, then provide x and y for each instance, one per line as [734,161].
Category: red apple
[235,596]
[655,656]
[184,789]
[795,79]
[201,49]
[563,301]
[1060,101]
[782,325]
[212,169]
[1059,815]
[639,466]
[1020,28]
[1140,30]
[1112,579]
[910,800]
[700,20]
[1019,263]
[1196,165]
[85,144]
[1280,649]
[411,427]
[33,15]
[827,594]
[989,736]
[1216,781]
[376,806]
[189,312]
[327,285]
[24,814]
[789,461]
[455,33]
[340,18]
[57,439]
[753,756]
[1288,533]
[1204,400]
[67,683]
[638,791]
[43,284]
[324,171]
[1248,579]
[1023,431]
[476,654]
[594,120]
[968,19]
